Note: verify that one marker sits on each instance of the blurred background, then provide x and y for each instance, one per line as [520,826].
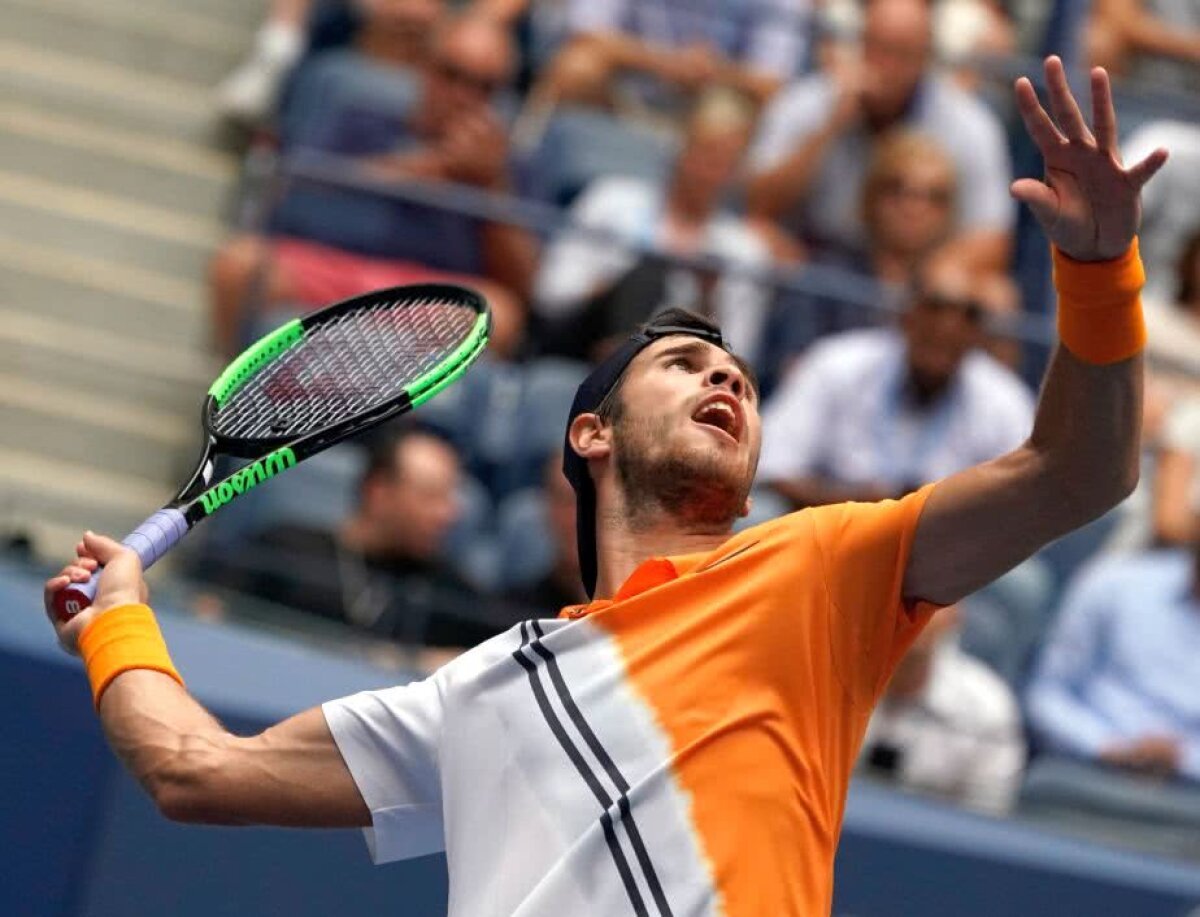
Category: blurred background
[827,178]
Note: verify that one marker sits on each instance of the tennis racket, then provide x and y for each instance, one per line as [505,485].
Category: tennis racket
[308,385]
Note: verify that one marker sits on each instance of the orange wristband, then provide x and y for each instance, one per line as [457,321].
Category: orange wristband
[1100,306]
[122,639]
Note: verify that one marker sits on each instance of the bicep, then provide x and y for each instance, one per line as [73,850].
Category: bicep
[980,523]
[292,775]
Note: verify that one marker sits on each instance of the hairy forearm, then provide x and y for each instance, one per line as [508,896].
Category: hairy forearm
[774,191]
[162,735]
[1087,431]
[1145,32]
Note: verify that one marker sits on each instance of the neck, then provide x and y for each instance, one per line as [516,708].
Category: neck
[357,534]
[892,266]
[688,208]
[624,541]
[924,391]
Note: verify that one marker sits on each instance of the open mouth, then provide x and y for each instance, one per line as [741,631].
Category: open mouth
[722,415]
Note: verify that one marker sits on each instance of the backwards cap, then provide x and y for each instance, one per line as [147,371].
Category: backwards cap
[588,397]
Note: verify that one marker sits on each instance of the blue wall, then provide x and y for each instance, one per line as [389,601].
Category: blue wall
[78,838]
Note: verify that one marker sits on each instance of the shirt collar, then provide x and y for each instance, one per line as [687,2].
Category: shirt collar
[656,571]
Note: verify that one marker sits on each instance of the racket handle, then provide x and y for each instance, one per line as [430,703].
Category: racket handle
[150,541]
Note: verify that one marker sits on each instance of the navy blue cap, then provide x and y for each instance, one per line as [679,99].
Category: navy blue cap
[588,397]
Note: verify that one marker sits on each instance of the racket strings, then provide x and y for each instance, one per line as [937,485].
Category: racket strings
[348,365]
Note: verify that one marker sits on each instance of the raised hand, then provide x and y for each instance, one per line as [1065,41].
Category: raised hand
[1089,204]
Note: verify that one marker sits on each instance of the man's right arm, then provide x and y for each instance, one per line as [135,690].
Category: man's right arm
[194,769]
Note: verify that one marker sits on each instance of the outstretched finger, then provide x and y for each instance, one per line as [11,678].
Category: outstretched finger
[1104,116]
[1037,122]
[1062,102]
[1147,168]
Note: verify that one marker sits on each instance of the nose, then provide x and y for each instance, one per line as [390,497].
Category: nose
[728,376]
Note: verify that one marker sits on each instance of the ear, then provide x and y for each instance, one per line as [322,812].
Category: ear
[746,507]
[590,436]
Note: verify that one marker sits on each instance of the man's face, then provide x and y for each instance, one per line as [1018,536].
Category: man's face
[470,64]
[942,325]
[687,433]
[914,207]
[896,48]
[709,161]
[418,503]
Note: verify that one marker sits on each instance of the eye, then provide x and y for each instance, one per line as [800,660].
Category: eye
[685,362]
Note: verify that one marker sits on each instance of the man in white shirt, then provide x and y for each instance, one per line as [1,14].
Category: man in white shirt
[814,145]
[947,725]
[871,414]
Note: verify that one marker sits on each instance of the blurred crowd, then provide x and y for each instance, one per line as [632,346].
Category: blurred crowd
[829,180]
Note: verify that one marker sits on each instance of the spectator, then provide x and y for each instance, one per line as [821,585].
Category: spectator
[873,414]
[382,571]
[947,725]
[908,206]
[1170,205]
[562,585]
[453,135]
[1118,682]
[591,286]
[1153,41]
[677,45]
[1177,476]
[1173,344]
[811,154]
[249,93]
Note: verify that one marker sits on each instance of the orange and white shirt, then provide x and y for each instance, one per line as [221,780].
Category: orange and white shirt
[684,748]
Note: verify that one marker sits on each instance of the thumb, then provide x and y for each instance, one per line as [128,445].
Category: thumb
[1039,197]
[103,548]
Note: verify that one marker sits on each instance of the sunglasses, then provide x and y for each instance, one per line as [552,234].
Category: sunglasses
[938,195]
[453,73]
[971,309]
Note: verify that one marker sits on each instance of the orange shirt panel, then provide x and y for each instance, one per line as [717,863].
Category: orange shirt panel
[758,661]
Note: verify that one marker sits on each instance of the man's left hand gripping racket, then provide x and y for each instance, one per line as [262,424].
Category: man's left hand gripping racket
[310,384]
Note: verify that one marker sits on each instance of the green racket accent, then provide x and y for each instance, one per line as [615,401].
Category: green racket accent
[247,479]
[452,367]
[254,358]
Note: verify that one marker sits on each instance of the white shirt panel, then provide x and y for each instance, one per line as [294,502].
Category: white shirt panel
[837,415]
[534,762]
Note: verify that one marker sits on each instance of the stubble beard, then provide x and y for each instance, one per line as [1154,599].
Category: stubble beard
[700,488]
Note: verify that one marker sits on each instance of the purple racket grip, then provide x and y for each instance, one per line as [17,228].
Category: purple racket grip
[150,540]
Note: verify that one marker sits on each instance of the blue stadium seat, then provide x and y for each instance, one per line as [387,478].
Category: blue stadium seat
[580,145]
[526,546]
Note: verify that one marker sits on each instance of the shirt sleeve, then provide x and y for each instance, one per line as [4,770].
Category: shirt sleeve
[1057,711]
[577,262]
[864,550]
[596,15]
[983,180]
[389,740]
[791,116]
[778,40]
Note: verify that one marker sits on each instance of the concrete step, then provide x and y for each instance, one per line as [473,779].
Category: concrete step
[172,379]
[92,428]
[96,91]
[243,14]
[103,226]
[55,500]
[40,147]
[82,293]
[175,44]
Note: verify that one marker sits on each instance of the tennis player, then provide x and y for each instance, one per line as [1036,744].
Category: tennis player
[683,743]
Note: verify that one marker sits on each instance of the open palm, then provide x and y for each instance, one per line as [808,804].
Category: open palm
[1089,204]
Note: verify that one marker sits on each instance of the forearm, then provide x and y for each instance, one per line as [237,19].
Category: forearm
[1145,32]
[510,257]
[162,735]
[775,191]
[755,84]
[1065,724]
